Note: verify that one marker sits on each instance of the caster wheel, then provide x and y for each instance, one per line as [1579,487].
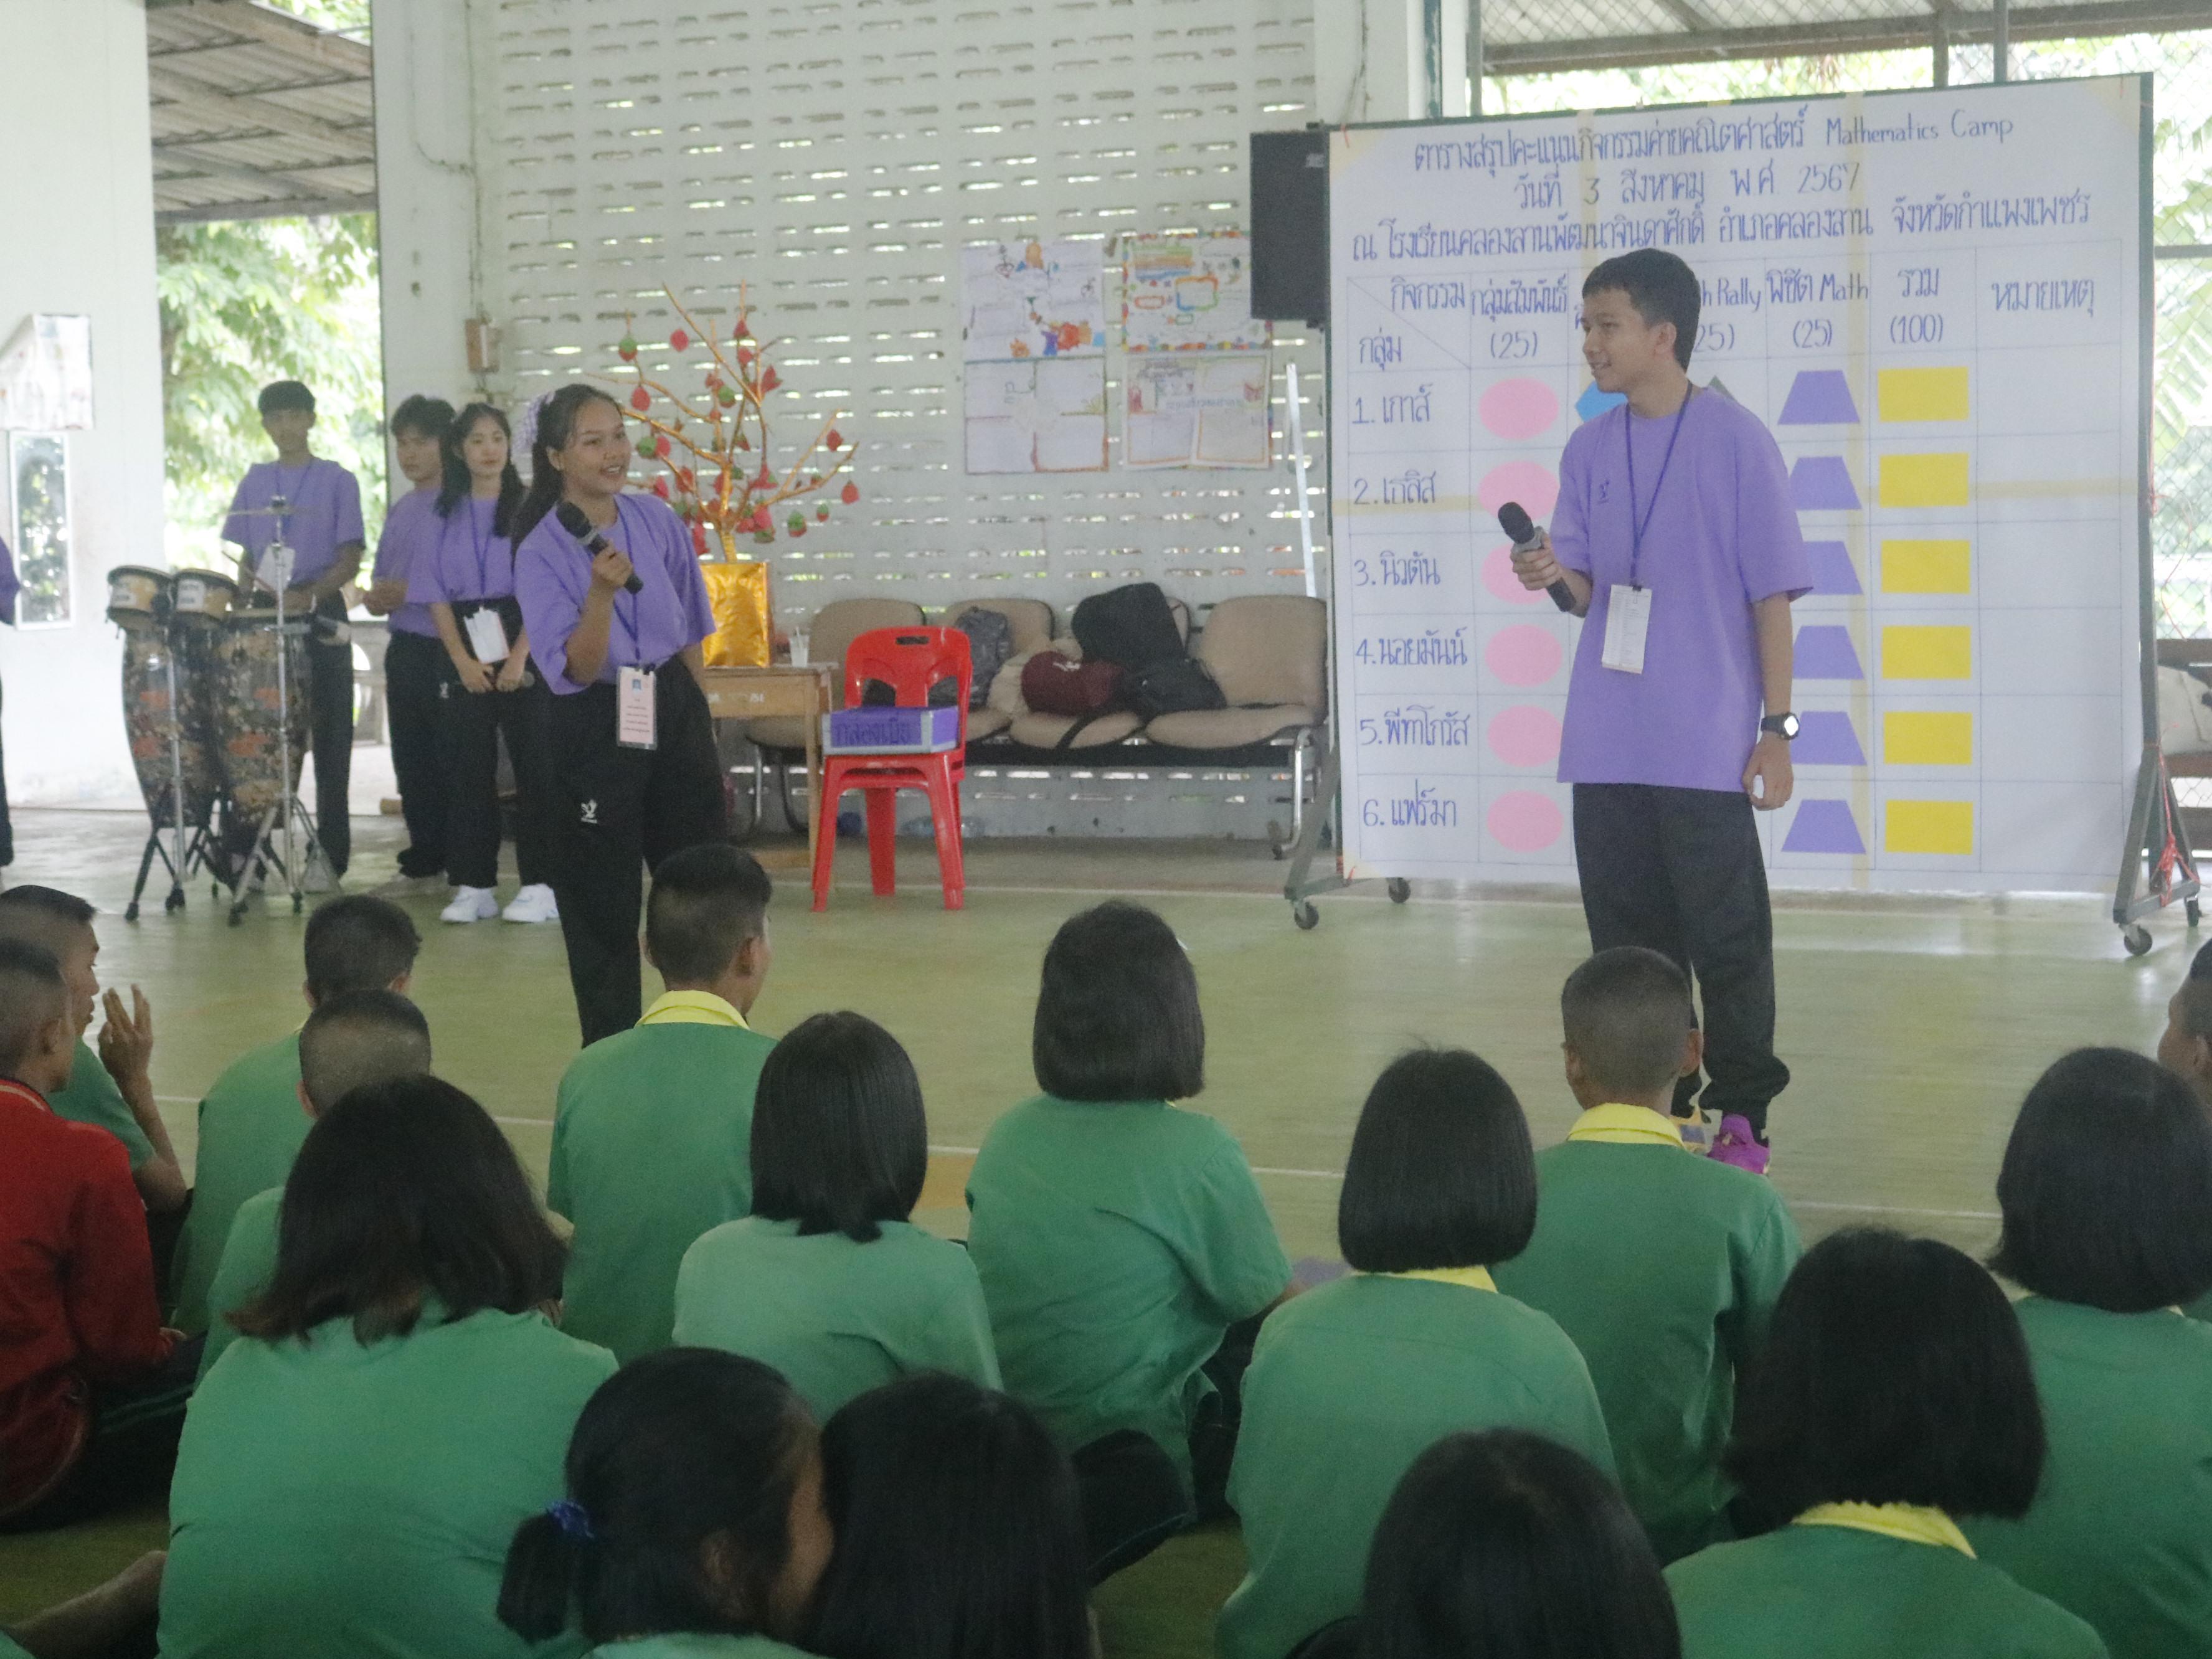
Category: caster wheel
[175,901]
[131,911]
[237,915]
[1399,889]
[2193,910]
[297,904]
[1305,915]
[1277,852]
[2137,940]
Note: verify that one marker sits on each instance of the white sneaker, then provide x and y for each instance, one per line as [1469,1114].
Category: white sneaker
[533,903]
[471,904]
[319,877]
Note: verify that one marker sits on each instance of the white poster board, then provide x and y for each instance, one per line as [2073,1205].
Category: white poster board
[1934,300]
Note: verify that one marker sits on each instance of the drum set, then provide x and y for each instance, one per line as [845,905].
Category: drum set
[215,702]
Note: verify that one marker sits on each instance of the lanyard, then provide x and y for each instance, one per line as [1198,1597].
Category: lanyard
[483,547]
[636,643]
[1637,526]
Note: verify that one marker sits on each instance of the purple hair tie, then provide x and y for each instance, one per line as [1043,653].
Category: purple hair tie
[575,1525]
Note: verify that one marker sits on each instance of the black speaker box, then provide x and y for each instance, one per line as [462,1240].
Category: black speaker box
[1289,226]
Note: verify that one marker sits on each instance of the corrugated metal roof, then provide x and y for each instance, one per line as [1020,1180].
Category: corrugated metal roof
[257,114]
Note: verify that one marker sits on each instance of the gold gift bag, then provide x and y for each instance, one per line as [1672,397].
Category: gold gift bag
[738,589]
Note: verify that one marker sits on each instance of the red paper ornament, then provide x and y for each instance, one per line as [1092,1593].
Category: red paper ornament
[744,330]
[798,528]
[679,341]
[660,446]
[822,513]
[628,349]
[762,525]
[764,479]
[744,357]
[834,438]
[660,488]
[850,493]
[684,479]
[769,379]
[641,400]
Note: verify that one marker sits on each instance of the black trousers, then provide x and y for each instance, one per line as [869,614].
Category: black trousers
[470,726]
[132,1448]
[1680,871]
[414,664]
[618,812]
[330,670]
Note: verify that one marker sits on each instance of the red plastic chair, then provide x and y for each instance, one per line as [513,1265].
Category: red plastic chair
[910,660]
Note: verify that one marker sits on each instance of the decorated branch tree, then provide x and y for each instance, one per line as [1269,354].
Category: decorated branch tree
[715,443]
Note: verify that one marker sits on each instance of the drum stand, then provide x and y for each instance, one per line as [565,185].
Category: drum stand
[299,844]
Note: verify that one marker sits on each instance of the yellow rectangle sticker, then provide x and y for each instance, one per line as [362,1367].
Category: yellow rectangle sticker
[1921,394]
[1927,738]
[1929,826]
[1915,653]
[1926,567]
[1925,480]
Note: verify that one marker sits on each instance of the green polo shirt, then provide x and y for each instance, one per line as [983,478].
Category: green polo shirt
[252,1124]
[357,1503]
[837,1317]
[1349,1384]
[1839,1593]
[1663,1268]
[1116,1242]
[249,1262]
[92,1097]
[651,1148]
[2121,1533]
[686,1644]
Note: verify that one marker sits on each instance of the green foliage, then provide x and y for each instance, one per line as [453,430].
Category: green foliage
[246,303]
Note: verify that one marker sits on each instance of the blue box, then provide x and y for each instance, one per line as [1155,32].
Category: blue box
[883,731]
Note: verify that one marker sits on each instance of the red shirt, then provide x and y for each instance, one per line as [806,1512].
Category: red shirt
[76,1288]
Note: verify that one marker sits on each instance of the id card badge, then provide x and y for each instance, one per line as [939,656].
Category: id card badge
[634,726]
[1627,620]
[274,569]
[488,637]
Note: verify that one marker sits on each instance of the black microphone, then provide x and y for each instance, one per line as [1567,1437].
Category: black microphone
[574,521]
[1513,518]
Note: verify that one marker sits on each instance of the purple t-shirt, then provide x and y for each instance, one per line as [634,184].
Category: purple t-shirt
[462,558]
[10,585]
[1720,536]
[552,574]
[409,528]
[323,513]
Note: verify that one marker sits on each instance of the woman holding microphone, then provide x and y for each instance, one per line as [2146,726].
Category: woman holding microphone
[615,615]
[467,581]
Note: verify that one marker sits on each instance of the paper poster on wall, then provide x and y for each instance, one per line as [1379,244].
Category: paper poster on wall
[1197,409]
[1188,294]
[1039,415]
[1035,299]
[46,375]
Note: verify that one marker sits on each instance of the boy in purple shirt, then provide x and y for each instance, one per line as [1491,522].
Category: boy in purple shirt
[1676,536]
[413,658]
[322,524]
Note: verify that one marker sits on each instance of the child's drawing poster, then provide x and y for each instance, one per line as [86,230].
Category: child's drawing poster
[1032,299]
[1188,294]
[1197,409]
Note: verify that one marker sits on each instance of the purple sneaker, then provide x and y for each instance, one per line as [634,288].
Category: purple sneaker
[1737,1145]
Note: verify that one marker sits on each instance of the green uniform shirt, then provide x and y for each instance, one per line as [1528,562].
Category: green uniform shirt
[686,1644]
[837,1318]
[1349,1384]
[357,1503]
[1663,1268]
[252,1124]
[249,1262]
[1839,1593]
[92,1097]
[2121,1533]
[651,1148]
[1116,1242]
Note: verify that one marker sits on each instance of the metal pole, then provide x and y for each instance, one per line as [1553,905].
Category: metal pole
[1432,57]
[2001,42]
[1474,56]
[1299,463]
[176,762]
[1941,45]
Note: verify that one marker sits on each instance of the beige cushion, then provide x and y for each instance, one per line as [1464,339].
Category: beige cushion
[1030,619]
[1228,729]
[838,623]
[986,723]
[1043,730]
[1267,648]
[777,731]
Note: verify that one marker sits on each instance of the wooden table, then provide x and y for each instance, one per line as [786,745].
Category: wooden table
[805,693]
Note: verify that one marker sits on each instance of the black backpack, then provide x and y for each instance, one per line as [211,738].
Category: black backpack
[1132,626]
[990,642]
[1173,685]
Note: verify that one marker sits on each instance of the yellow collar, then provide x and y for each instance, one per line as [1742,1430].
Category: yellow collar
[1627,1126]
[692,1008]
[1912,1522]
[1472,1279]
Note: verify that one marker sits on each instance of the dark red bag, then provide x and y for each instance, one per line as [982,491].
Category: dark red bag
[1053,684]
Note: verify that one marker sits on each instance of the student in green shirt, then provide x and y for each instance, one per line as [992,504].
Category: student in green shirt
[250,1124]
[651,1129]
[1119,1237]
[2106,1190]
[1894,1399]
[114,1090]
[691,1523]
[1351,1382]
[827,1281]
[1662,1265]
[347,1042]
[959,1535]
[353,1471]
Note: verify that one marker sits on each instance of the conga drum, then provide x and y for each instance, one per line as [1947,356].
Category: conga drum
[134,597]
[250,715]
[165,737]
[202,597]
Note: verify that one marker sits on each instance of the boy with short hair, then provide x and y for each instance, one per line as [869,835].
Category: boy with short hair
[92,1389]
[651,1136]
[2186,1046]
[113,1092]
[250,1123]
[348,1042]
[1663,1267]
[320,522]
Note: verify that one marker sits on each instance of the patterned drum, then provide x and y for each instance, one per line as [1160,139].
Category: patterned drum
[247,717]
[134,596]
[204,595]
[151,723]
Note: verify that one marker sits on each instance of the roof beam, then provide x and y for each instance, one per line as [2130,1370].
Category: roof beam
[196,157]
[250,112]
[302,41]
[309,207]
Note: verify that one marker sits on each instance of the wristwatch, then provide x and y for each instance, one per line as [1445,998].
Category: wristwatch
[1784,726]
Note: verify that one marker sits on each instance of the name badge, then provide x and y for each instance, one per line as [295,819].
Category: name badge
[274,572]
[634,711]
[488,637]
[1627,620]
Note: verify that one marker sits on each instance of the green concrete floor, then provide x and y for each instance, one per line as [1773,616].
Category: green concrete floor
[1913,1027]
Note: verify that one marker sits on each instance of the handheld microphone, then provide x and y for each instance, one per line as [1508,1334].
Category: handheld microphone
[1513,518]
[574,521]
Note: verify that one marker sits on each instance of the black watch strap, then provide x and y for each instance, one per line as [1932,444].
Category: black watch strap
[1784,725]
